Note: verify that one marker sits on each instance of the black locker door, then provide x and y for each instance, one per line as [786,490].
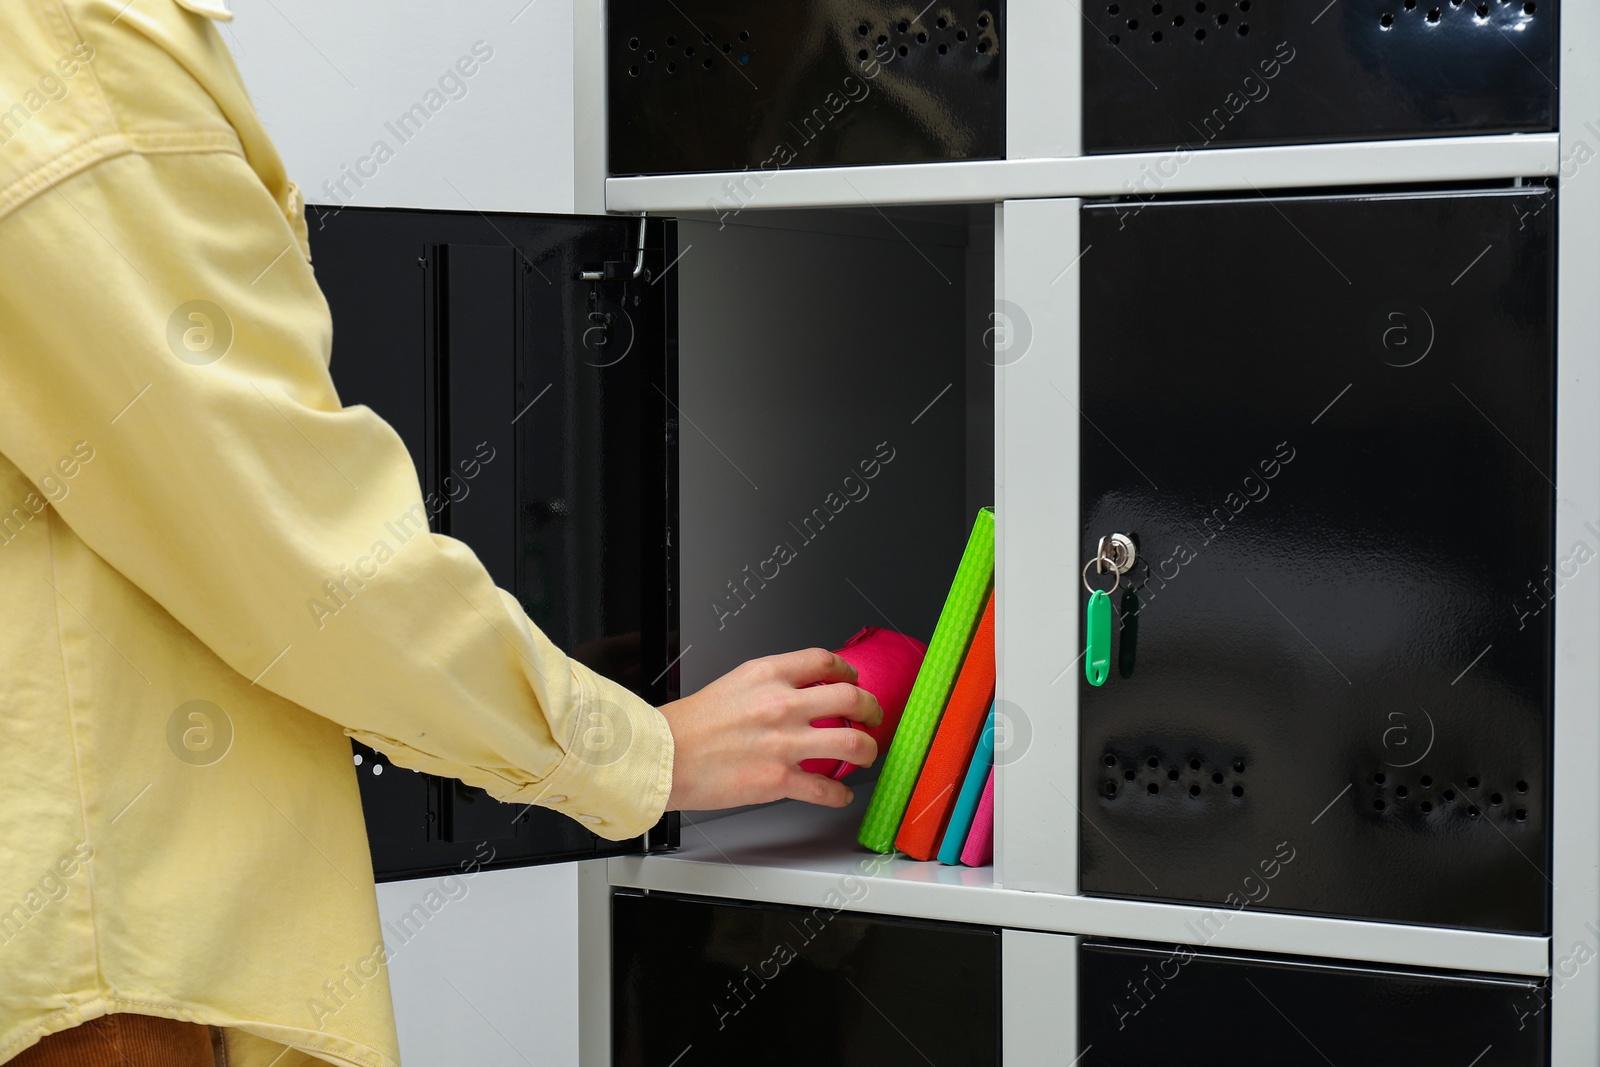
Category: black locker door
[1140,1003]
[537,406]
[1327,423]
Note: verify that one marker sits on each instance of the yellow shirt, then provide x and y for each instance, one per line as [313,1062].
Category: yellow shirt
[182,832]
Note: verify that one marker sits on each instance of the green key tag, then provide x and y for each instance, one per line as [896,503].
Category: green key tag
[1097,635]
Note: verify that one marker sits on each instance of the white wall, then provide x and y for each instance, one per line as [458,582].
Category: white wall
[331,81]
[490,977]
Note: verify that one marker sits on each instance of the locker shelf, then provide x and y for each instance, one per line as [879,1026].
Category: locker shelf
[793,853]
[1441,159]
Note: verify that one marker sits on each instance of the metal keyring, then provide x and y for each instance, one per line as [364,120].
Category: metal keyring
[1116,577]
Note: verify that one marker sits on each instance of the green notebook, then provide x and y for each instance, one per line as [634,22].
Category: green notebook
[957,621]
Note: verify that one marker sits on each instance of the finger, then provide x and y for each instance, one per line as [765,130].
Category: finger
[810,665]
[837,742]
[817,789]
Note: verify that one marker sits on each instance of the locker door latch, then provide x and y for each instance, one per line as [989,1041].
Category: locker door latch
[617,270]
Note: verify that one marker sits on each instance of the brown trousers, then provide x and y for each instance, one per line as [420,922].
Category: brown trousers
[123,1040]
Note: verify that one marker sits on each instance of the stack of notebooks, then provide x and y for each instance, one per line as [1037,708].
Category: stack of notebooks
[935,795]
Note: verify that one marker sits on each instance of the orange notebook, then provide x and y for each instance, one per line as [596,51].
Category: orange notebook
[953,745]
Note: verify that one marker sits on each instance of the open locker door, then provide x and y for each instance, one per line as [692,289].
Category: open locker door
[529,364]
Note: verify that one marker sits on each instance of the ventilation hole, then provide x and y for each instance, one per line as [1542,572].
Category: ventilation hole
[728,48]
[1177,20]
[1194,765]
[1244,5]
[650,56]
[672,68]
[1378,805]
[1111,789]
[1483,11]
[1133,24]
[1217,778]
[1496,799]
[688,51]
[360,759]
[1472,781]
[961,35]
[922,38]
[1113,10]
[1433,16]
[1172,775]
[861,55]
[902,26]
[1194,790]
[1379,778]
[1153,788]
[1425,781]
[1200,8]
[1156,37]
[903,50]
[1152,763]
[883,39]
[1129,774]
[1199,35]
[744,35]
[983,22]
[1411,5]
[1473,812]
[377,768]
[1426,807]
[705,38]
[672,42]
[1522,787]
[1244,29]
[1529,8]
[942,22]
[1222,18]
[1155,9]
[943,48]
[983,46]
[633,72]
[1401,792]
[1109,760]
[1522,814]
[1449,794]
[1238,766]
[633,44]
[1238,790]
[707,63]
[862,30]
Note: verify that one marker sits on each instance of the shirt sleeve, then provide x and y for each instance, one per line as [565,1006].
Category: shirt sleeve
[157,309]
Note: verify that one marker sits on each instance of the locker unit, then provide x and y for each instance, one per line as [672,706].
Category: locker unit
[1332,377]
[1183,75]
[1305,653]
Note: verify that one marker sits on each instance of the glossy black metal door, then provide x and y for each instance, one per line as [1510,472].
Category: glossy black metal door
[726,85]
[1193,74]
[1231,1010]
[537,407]
[1327,423]
[705,983]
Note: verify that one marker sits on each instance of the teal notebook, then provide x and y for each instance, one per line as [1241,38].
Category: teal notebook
[955,835]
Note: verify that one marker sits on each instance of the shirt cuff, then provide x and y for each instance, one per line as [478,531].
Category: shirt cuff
[616,775]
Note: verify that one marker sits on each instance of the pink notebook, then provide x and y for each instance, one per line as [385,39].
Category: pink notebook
[979,849]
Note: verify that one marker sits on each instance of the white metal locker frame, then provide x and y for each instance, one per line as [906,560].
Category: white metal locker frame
[1034,895]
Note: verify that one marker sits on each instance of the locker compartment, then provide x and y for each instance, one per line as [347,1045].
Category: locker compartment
[654,438]
[1327,425]
[535,406]
[1235,1010]
[721,85]
[701,981]
[1188,75]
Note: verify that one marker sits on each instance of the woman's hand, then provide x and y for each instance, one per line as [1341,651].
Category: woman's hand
[740,740]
